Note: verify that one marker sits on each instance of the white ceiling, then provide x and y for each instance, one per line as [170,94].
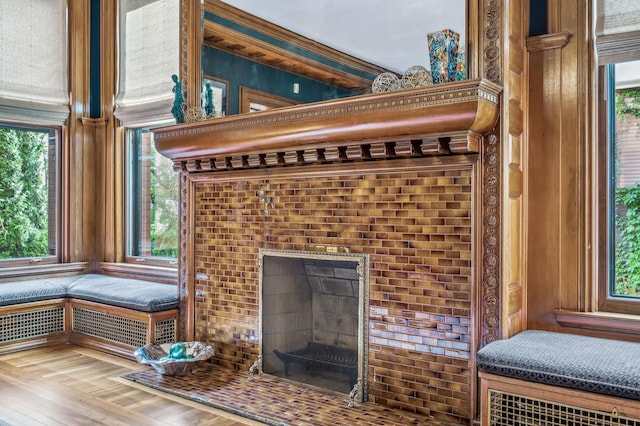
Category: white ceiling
[392,34]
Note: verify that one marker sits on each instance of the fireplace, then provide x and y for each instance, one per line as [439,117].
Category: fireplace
[313,318]
[407,181]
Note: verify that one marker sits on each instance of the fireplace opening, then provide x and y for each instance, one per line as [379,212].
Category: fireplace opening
[313,318]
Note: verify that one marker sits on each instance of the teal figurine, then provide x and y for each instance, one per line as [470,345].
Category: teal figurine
[209,109]
[178,104]
[178,351]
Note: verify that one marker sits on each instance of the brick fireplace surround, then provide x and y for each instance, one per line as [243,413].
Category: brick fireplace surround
[407,178]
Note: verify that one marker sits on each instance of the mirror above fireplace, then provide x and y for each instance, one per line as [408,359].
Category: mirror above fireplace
[304,51]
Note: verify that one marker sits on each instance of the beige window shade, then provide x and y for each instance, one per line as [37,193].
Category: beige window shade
[33,60]
[617,30]
[149,56]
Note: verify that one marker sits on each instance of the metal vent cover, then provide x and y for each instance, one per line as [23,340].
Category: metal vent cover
[165,331]
[510,409]
[24,325]
[110,327]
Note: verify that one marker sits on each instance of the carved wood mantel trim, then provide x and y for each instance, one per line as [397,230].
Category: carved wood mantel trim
[468,108]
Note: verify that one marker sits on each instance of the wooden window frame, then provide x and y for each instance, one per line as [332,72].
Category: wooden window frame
[605,165]
[249,96]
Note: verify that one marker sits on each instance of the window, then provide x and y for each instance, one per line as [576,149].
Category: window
[623,179]
[28,194]
[618,155]
[34,106]
[149,41]
[152,202]
[149,57]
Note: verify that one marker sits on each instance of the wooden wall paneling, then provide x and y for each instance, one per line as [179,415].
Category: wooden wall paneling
[489,56]
[101,182]
[475,20]
[559,74]
[79,224]
[513,266]
[571,170]
[110,244]
[96,132]
[543,185]
[190,75]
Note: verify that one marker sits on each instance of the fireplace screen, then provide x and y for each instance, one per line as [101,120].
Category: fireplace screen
[314,312]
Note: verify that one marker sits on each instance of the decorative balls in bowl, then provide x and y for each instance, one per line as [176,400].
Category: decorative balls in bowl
[173,359]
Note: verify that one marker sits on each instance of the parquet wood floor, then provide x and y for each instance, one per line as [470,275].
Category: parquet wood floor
[68,385]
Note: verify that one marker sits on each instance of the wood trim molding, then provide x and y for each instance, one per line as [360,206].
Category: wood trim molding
[603,321]
[78,150]
[547,42]
[143,272]
[491,41]
[469,107]
[490,290]
[186,286]
[96,123]
[249,96]
[32,271]
[190,46]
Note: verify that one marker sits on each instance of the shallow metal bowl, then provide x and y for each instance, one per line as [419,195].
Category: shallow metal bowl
[158,357]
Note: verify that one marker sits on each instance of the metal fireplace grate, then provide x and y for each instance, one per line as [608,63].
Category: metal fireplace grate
[317,355]
[165,331]
[110,327]
[24,325]
[517,410]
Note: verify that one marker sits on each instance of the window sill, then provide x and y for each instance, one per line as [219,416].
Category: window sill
[604,321]
[142,272]
[39,270]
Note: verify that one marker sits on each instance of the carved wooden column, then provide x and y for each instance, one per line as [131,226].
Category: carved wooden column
[190,41]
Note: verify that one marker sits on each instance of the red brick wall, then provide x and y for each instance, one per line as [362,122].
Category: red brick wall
[416,227]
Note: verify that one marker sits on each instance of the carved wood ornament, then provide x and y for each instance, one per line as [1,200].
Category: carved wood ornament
[490,291]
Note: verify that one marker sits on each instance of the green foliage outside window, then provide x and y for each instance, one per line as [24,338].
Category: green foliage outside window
[628,240]
[164,207]
[627,205]
[627,102]
[23,194]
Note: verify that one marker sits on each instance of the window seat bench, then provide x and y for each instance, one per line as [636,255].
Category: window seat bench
[104,312]
[542,377]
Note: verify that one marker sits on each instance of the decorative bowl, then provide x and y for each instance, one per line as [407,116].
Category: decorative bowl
[173,359]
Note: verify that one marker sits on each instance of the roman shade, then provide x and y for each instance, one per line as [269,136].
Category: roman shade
[617,31]
[33,61]
[149,55]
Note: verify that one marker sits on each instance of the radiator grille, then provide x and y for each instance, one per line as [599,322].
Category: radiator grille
[165,331]
[24,325]
[516,410]
[110,327]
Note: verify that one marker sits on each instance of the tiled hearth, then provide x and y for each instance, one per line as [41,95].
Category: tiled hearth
[411,179]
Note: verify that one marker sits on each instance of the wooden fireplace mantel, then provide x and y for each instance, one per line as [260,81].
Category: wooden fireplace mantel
[458,113]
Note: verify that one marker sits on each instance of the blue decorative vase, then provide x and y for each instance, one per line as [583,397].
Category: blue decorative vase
[443,55]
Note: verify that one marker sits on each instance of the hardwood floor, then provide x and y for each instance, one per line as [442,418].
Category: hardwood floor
[69,385]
